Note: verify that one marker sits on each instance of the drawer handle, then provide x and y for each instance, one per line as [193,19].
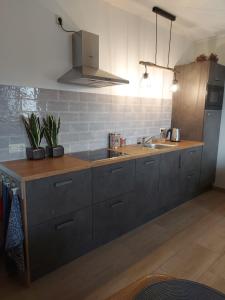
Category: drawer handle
[64,224]
[150,162]
[192,152]
[62,183]
[116,170]
[117,203]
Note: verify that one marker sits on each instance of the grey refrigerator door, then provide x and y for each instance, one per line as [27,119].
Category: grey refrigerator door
[212,119]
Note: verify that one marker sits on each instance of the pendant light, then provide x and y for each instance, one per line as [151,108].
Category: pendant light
[174,86]
[172,18]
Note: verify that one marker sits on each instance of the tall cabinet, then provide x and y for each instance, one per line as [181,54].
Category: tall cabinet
[197,107]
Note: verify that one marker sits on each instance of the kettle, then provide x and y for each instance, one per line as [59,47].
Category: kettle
[173,134]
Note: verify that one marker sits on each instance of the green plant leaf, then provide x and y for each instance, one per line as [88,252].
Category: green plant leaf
[33,129]
[51,130]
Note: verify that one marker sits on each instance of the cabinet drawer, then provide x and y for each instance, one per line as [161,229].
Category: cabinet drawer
[54,243]
[190,185]
[113,218]
[146,164]
[191,159]
[58,195]
[113,180]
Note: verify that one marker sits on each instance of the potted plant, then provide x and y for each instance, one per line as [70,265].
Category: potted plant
[35,133]
[201,58]
[213,57]
[51,131]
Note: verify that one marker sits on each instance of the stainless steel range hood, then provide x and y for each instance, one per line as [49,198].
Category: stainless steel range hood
[85,69]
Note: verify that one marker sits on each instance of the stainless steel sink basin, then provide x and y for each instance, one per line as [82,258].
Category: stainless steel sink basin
[158,146]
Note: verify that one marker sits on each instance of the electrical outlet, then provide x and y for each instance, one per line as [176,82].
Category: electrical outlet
[14,148]
[162,130]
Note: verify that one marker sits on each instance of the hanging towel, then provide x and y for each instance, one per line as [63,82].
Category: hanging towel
[6,203]
[1,202]
[1,220]
[15,236]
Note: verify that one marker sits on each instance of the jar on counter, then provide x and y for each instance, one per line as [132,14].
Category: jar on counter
[122,142]
[114,140]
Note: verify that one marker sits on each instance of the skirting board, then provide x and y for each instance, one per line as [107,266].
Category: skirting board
[219,189]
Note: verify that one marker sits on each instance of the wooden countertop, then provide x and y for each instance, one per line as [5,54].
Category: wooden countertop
[26,170]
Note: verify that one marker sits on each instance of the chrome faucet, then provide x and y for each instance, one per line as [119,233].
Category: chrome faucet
[148,140]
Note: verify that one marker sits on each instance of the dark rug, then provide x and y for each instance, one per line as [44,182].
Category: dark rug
[177,289]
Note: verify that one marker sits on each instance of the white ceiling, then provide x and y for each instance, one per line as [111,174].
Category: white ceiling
[199,19]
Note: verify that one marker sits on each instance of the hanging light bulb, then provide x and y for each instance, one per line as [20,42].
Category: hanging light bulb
[174,86]
[145,79]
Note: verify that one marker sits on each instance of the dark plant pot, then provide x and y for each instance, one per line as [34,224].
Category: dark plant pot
[35,154]
[55,151]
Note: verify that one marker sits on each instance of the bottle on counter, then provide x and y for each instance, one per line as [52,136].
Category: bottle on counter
[122,141]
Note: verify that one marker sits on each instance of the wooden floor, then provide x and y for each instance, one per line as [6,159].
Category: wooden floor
[188,242]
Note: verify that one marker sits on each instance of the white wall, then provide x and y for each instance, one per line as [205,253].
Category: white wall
[216,45]
[34,51]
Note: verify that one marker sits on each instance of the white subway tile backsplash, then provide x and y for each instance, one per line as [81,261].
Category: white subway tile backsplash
[86,118]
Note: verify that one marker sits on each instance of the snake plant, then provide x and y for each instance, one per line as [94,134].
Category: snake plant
[34,130]
[51,130]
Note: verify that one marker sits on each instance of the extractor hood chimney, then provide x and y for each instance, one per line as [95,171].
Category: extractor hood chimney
[85,69]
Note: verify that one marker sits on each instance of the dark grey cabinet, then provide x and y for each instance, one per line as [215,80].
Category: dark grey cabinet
[197,110]
[189,185]
[113,217]
[191,159]
[169,187]
[211,133]
[216,74]
[147,188]
[113,180]
[58,241]
[190,173]
[51,197]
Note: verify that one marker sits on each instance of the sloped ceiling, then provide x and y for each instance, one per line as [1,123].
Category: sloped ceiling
[198,19]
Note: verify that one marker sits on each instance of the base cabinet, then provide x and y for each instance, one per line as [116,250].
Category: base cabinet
[169,187]
[59,241]
[190,173]
[147,188]
[113,217]
[78,211]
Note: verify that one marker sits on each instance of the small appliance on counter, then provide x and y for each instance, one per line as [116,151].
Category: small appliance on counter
[114,140]
[173,134]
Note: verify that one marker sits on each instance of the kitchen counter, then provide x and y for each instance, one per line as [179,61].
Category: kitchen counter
[25,170]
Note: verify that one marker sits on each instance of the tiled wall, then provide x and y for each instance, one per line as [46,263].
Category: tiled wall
[86,118]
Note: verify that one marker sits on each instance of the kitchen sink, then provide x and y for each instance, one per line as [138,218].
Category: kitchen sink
[158,146]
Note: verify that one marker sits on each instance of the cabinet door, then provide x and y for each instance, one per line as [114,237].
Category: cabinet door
[147,188]
[190,173]
[57,195]
[211,139]
[189,183]
[59,241]
[169,187]
[189,100]
[217,74]
[113,218]
[113,180]
[191,159]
